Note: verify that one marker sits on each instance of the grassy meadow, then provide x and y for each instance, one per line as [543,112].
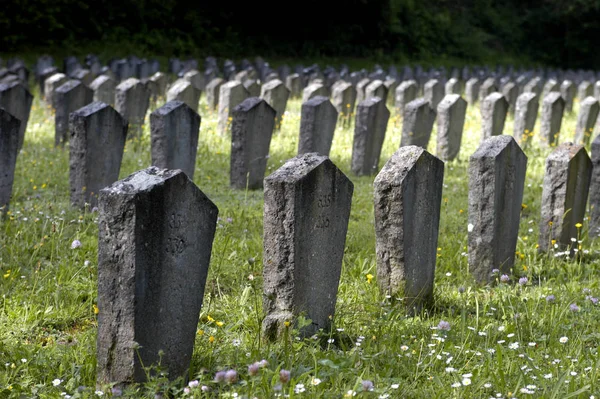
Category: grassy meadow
[505,340]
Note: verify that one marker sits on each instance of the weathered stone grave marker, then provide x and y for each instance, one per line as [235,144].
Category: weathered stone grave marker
[405,93]
[251,131]
[369,132]
[526,111]
[104,89]
[472,90]
[417,123]
[231,95]
[493,114]
[132,100]
[594,225]
[313,90]
[343,99]
[407,196]
[376,89]
[451,113]
[496,181]
[51,84]
[552,113]
[213,89]
[156,230]
[307,208]
[433,92]
[15,99]
[586,120]
[97,136]
[174,130]
[276,95]
[9,148]
[317,125]
[68,97]
[183,90]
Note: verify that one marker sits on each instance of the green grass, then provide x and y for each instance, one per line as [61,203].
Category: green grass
[502,338]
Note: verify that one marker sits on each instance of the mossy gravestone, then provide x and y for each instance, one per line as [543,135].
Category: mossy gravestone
[564,196]
[97,135]
[307,207]
[408,195]
[9,148]
[496,180]
[174,131]
[156,231]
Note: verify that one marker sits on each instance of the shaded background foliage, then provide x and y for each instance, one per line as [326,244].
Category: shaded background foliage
[552,32]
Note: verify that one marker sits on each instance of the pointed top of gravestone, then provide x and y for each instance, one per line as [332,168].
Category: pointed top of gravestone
[401,163]
[250,103]
[316,101]
[553,97]
[449,100]
[566,152]
[272,84]
[492,146]
[91,109]
[170,107]
[99,81]
[141,181]
[128,84]
[495,96]
[68,86]
[371,101]
[299,167]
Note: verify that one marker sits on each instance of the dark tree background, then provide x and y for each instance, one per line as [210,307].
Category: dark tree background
[552,32]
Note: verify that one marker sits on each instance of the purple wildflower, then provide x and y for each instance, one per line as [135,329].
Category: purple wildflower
[504,278]
[444,326]
[367,385]
[284,376]
[550,298]
[253,368]
[220,376]
[523,281]
[574,307]
[231,376]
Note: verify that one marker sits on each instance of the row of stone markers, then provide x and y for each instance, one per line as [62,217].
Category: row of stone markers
[150,303]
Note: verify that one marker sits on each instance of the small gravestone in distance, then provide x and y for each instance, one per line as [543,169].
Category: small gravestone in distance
[451,113]
[317,125]
[307,208]
[369,132]
[183,90]
[231,95]
[585,90]
[496,181]
[294,84]
[534,86]
[417,123]
[453,86]
[84,75]
[251,131]
[161,83]
[361,90]
[51,84]
[564,196]
[156,230]
[487,87]
[586,120]
[174,130]
[213,89]
[550,86]
[9,148]
[526,111]
[343,98]
[510,91]
[132,100]
[68,98]
[405,93]
[594,226]
[313,90]
[493,113]
[433,92]
[104,89]
[376,89]
[567,92]
[472,90]
[276,95]
[195,78]
[407,196]
[15,99]
[97,136]
[391,84]
[552,113]
[252,87]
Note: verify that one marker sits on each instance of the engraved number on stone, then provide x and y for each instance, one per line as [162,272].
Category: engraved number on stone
[322,222]
[175,221]
[324,201]
[175,245]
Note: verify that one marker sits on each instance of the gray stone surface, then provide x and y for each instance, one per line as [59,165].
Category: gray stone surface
[510,91]
[156,230]
[551,120]
[564,196]
[9,148]
[487,87]
[51,84]
[526,111]
[597,90]
[253,87]
[376,89]
[534,86]
[550,86]
[369,132]
[493,115]
[161,83]
[132,100]
[496,181]
[417,123]
[586,120]
[317,125]
[276,95]
[585,90]
[307,208]
[405,93]
[174,131]
[294,84]
[594,224]
[183,90]
[213,89]
[104,89]
[84,75]
[451,113]
[433,92]
[567,91]
[251,131]
[472,90]
[453,86]
[196,78]
[343,98]
[97,137]
[407,196]
[312,90]
[16,99]
[230,96]
[361,90]
[68,97]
